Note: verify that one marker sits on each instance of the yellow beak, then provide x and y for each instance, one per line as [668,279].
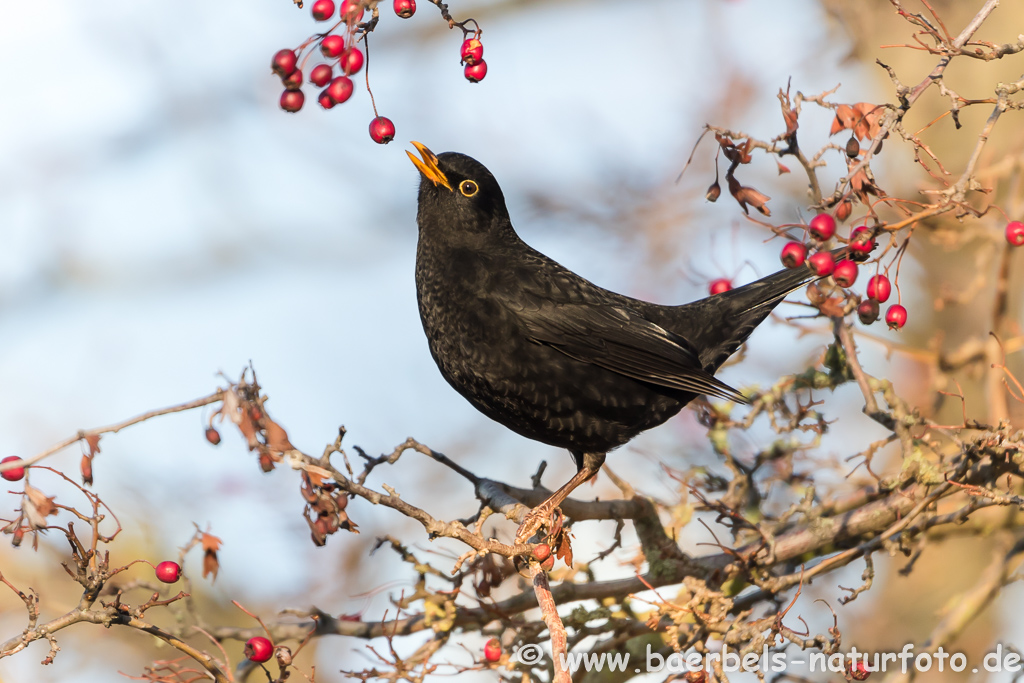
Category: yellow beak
[428,166]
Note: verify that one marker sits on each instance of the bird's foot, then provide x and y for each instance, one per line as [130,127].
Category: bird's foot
[535,520]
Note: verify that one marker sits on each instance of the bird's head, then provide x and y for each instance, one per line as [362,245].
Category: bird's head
[458,193]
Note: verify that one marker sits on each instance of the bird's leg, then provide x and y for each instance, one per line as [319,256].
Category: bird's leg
[536,517]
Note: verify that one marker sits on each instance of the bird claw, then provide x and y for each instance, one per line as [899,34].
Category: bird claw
[534,521]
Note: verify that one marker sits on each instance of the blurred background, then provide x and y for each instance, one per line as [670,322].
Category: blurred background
[163,221]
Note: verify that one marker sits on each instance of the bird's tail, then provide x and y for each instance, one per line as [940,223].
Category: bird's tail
[739,311]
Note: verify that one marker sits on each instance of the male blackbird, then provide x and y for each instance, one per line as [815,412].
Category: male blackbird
[549,354]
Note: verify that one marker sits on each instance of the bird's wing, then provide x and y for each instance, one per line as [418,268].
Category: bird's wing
[620,339]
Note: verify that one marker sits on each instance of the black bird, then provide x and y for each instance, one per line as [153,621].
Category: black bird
[549,354]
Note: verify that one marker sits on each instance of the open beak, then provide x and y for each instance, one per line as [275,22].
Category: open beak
[428,166]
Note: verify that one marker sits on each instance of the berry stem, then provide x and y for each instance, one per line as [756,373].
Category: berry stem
[366,46]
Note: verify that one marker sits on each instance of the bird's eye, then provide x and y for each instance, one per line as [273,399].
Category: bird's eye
[468,188]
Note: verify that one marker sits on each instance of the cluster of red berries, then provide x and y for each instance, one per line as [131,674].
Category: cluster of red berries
[345,59]
[844,272]
[15,473]
[473,58]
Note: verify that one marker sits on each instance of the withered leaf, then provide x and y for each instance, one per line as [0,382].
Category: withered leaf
[94,443]
[86,468]
[277,437]
[845,118]
[210,564]
[782,167]
[210,542]
[868,118]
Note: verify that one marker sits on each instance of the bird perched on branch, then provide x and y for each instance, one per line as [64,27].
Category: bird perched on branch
[549,354]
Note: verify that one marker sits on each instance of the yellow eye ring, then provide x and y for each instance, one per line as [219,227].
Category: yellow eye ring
[468,188]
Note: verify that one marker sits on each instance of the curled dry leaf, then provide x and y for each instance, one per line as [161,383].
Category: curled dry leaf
[211,544]
[37,506]
[748,195]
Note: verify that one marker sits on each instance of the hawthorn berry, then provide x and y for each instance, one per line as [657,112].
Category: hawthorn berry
[293,81]
[541,552]
[852,147]
[844,210]
[212,435]
[323,9]
[382,130]
[339,90]
[325,100]
[332,46]
[861,242]
[472,51]
[879,288]
[822,263]
[351,61]
[14,474]
[321,75]
[720,285]
[168,572]
[492,650]
[352,10]
[291,100]
[405,8]
[258,649]
[845,273]
[859,670]
[284,62]
[822,227]
[867,311]
[896,317]
[1015,233]
[794,254]
[476,72]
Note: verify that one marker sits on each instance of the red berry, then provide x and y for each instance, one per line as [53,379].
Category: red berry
[212,435]
[340,89]
[472,51]
[352,10]
[382,130]
[351,61]
[861,242]
[845,273]
[168,571]
[291,100]
[844,209]
[542,552]
[476,72]
[258,649]
[822,227]
[1015,233]
[858,669]
[868,311]
[325,100]
[293,81]
[284,62]
[896,317]
[492,650]
[321,75]
[405,8]
[822,263]
[879,288]
[332,46]
[794,254]
[323,9]
[720,285]
[13,474]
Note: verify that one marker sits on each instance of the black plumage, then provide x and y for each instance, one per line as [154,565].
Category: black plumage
[544,351]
